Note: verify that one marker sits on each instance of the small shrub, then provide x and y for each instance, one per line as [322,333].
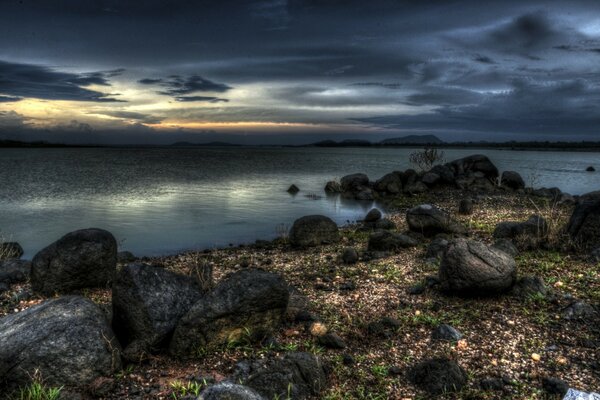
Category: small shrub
[426,158]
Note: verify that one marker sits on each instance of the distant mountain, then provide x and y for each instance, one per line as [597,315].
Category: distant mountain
[209,144]
[413,139]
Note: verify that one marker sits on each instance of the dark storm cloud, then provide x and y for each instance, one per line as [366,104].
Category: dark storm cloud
[379,84]
[130,115]
[6,99]
[178,85]
[210,99]
[40,82]
[149,81]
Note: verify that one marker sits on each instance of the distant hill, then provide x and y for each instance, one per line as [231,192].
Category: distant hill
[413,139]
[213,144]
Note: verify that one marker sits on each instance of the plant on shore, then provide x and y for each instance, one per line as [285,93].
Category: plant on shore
[6,252]
[37,390]
[426,158]
[282,231]
[183,389]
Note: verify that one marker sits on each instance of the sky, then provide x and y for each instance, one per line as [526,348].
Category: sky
[298,71]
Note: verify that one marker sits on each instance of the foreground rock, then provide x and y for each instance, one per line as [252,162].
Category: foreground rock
[10,250]
[81,259]
[313,230]
[388,241]
[390,183]
[469,267]
[14,271]
[246,306]
[430,220]
[437,376]
[67,340]
[584,224]
[535,227]
[229,391]
[293,376]
[148,301]
[512,180]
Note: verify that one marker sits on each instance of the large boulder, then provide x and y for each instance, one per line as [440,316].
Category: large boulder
[10,250]
[148,301]
[354,182]
[313,230]
[294,376]
[229,391]
[584,224]
[469,267]
[535,227]
[430,220]
[445,173]
[390,183]
[512,180]
[67,340]
[246,306]
[14,271]
[389,241]
[81,259]
[473,164]
[332,187]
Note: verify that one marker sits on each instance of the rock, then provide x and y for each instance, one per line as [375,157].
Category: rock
[436,248]
[331,341]
[354,182]
[313,230]
[555,386]
[496,384]
[82,259]
[415,188]
[416,289]
[430,178]
[512,180]
[474,163]
[333,187]
[430,220]
[125,257]
[594,256]
[295,376]
[4,287]
[580,310]
[298,305]
[293,189]
[547,193]
[590,169]
[148,301]
[394,370]
[390,183]
[14,271]
[388,241]
[584,224]
[465,207]
[409,177]
[385,224]
[445,173]
[365,194]
[373,216]
[66,339]
[349,256]
[536,227]
[437,376]
[470,267]
[10,250]
[529,286]
[247,305]
[347,359]
[507,246]
[229,391]
[446,332]
[385,327]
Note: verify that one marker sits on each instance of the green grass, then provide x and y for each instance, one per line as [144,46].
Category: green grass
[182,389]
[38,391]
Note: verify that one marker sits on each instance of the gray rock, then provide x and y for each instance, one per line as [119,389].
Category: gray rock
[507,246]
[430,178]
[293,189]
[124,257]
[465,207]
[536,227]
[445,173]
[437,376]
[430,220]
[148,302]
[66,339]
[295,375]
[333,187]
[246,306]
[313,230]
[81,259]
[580,310]
[528,286]
[474,163]
[547,193]
[373,215]
[436,248]
[470,267]
[298,305]
[229,391]
[594,256]
[349,255]
[14,271]
[388,241]
[331,341]
[390,183]
[446,332]
[555,386]
[354,182]
[512,180]
[10,250]
[385,224]
[415,188]
[584,224]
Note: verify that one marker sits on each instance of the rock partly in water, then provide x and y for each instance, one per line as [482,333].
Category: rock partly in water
[512,180]
[390,183]
[333,187]
[437,376]
[473,164]
[313,230]
[246,306]
[10,250]
[349,255]
[67,340]
[295,375]
[590,169]
[14,271]
[470,267]
[293,189]
[148,301]
[82,259]
[389,241]
[354,182]
[229,391]
[430,220]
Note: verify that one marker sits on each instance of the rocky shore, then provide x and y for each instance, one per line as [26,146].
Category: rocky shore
[468,286]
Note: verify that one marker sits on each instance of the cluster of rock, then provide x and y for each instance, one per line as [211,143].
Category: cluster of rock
[69,340]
